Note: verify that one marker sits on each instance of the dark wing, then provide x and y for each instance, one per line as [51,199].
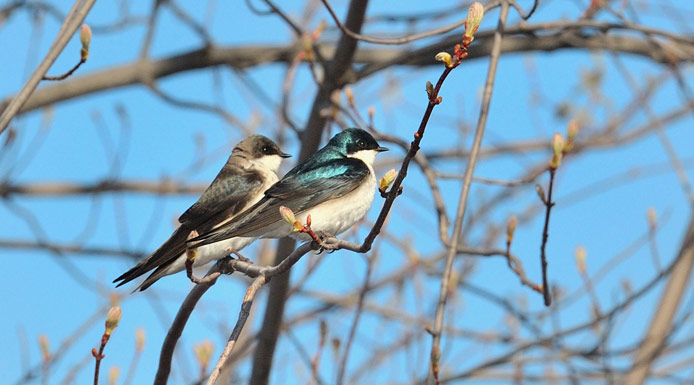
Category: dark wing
[230,191]
[161,258]
[298,191]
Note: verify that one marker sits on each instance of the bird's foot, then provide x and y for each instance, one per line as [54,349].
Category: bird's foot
[239,256]
[324,243]
[189,272]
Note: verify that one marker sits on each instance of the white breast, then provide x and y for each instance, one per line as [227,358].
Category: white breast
[337,215]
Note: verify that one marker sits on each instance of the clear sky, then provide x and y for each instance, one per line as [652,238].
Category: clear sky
[44,293]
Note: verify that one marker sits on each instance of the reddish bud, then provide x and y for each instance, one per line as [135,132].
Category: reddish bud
[571,132]
[323,329]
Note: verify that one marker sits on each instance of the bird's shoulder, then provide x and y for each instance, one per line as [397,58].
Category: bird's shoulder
[230,190]
[323,173]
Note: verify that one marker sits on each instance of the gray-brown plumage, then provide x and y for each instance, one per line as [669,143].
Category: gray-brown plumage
[249,171]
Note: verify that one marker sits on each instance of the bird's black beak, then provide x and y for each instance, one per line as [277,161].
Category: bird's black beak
[284,155]
[381,149]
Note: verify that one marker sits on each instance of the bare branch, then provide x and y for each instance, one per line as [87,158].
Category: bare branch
[660,327]
[569,35]
[462,202]
[73,20]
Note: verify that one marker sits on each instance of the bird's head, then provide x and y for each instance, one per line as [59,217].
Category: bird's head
[261,150]
[356,143]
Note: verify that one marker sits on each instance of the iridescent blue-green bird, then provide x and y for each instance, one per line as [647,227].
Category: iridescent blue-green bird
[336,186]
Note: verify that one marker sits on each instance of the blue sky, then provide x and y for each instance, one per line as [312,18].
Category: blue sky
[158,141]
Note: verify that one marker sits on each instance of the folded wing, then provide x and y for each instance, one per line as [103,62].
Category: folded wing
[299,191]
[229,193]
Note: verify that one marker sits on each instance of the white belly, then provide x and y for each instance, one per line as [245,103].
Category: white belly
[335,216]
[208,253]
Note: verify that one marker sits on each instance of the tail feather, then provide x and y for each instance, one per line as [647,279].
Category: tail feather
[159,259]
[154,277]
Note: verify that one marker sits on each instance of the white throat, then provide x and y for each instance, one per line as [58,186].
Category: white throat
[366,156]
[267,162]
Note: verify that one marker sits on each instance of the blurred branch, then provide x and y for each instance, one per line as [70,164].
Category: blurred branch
[162,187]
[73,20]
[246,306]
[355,321]
[545,236]
[547,340]
[339,66]
[176,329]
[68,248]
[435,355]
[529,38]
[397,40]
[34,372]
[262,275]
[661,324]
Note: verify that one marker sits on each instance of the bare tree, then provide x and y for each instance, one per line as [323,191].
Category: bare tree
[529,235]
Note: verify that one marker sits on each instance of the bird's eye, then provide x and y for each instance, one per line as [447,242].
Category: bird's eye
[361,143]
[265,150]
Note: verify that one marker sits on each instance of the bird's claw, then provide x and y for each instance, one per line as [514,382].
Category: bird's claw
[238,256]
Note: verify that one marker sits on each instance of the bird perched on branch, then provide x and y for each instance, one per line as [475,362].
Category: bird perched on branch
[250,170]
[336,186]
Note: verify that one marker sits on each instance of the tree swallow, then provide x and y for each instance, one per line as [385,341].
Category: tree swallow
[249,171]
[336,186]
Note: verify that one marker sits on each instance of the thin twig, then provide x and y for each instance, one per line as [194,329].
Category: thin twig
[661,324]
[314,363]
[397,40]
[221,267]
[73,20]
[462,202]
[355,322]
[262,275]
[545,37]
[66,74]
[334,79]
[98,357]
[545,235]
[243,316]
[176,329]
[645,289]
[133,366]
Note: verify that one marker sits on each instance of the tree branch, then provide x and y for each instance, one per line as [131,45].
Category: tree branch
[462,202]
[529,38]
[660,328]
[339,65]
[73,20]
